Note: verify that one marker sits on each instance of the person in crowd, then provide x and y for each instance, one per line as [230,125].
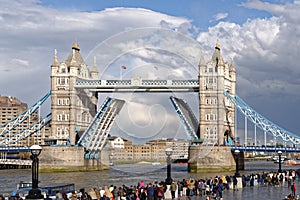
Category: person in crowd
[293,189]
[150,191]
[180,187]
[74,196]
[108,193]
[219,189]
[160,192]
[115,193]
[97,192]
[173,188]
[92,194]
[234,181]
[143,193]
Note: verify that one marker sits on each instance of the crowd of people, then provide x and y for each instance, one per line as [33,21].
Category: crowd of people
[204,188]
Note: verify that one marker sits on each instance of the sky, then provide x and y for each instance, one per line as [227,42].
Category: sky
[157,40]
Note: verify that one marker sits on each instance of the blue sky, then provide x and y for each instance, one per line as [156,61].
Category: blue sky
[261,37]
[202,13]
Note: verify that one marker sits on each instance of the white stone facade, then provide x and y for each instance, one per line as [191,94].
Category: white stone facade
[217,113]
[72,109]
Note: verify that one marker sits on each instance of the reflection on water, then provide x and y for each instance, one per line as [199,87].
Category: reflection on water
[128,175]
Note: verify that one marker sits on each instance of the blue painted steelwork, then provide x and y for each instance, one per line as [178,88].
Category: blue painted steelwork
[187,117]
[25,133]
[14,149]
[262,122]
[264,149]
[95,136]
[85,139]
[12,124]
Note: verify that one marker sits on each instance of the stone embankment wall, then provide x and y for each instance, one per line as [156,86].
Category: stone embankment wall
[70,158]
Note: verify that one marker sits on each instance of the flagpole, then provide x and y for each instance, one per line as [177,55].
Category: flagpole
[121,73]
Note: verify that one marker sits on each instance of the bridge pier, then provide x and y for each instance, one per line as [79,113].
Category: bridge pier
[213,159]
[71,158]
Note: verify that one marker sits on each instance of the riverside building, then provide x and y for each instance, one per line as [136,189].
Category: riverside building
[11,107]
[153,150]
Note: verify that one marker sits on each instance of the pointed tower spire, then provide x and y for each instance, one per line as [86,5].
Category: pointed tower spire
[95,60]
[76,46]
[94,68]
[73,59]
[55,61]
[217,56]
[232,67]
[202,60]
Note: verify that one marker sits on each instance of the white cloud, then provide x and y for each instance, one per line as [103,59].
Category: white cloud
[32,32]
[265,53]
[220,16]
[17,61]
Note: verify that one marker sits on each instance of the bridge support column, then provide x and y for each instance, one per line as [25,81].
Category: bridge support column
[100,163]
[71,158]
[213,159]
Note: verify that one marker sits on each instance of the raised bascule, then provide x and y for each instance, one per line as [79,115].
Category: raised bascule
[79,129]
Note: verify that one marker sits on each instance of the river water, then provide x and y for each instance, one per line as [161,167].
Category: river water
[132,174]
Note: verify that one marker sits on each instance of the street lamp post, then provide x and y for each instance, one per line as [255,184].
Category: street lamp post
[168,152]
[279,159]
[236,154]
[35,193]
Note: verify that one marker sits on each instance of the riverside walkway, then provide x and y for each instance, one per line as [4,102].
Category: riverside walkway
[271,185]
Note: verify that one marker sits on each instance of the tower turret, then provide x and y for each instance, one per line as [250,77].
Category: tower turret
[217,56]
[94,70]
[232,74]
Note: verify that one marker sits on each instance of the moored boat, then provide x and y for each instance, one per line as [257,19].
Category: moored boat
[24,187]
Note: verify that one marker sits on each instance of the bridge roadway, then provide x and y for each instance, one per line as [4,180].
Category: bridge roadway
[264,149]
[233,148]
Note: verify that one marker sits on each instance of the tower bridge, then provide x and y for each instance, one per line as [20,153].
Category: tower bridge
[77,122]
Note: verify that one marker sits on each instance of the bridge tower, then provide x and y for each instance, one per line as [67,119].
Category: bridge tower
[72,109]
[216,112]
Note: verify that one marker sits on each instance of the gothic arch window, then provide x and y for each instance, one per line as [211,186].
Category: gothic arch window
[59,117]
[65,132]
[58,132]
[84,116]
[62,68]
[207,132]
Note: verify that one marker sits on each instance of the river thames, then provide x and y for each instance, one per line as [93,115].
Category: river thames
[132,174]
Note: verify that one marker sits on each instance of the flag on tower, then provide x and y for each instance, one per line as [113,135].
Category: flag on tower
[123,67]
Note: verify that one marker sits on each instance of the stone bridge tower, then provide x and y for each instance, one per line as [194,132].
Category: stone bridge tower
[72,109]
[217,113]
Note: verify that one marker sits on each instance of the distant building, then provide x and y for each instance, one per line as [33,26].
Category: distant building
[153,150]
[11,107]
[117,142]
